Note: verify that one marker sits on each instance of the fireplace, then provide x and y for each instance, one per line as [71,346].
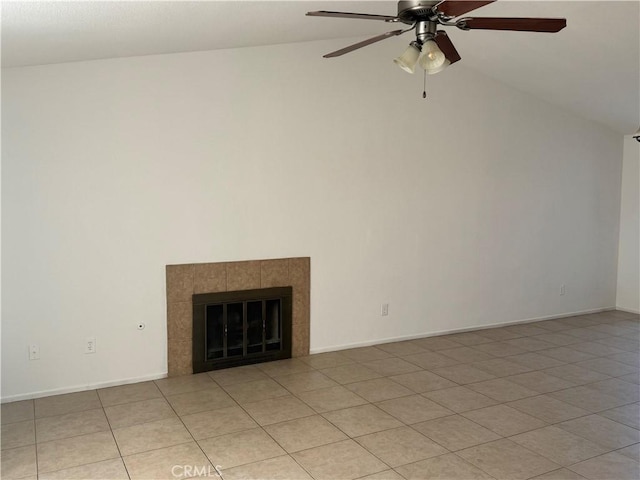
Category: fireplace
[185,280]
[241,327]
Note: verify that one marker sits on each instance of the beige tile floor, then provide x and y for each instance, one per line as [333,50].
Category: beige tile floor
[557,399]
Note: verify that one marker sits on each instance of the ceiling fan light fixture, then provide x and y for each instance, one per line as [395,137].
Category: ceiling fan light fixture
[432,49]
[407,61]
[637,135]
[432,57]
[431,71]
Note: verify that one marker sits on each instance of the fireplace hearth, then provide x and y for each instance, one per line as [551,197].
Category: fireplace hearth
[241,327]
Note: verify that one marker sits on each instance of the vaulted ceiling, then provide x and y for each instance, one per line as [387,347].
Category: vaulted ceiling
[592,67]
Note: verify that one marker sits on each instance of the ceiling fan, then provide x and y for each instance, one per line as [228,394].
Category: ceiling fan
[432,49]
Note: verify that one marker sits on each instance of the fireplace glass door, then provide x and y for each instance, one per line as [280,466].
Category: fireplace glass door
[235,328]
[273,325]
[255,327]
[215,332]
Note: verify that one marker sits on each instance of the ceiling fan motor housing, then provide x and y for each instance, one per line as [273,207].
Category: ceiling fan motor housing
[412,11]
[425,30]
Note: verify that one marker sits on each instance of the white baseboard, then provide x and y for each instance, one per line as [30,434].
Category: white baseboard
[456,330]
[628,310]
[81,388]
[157,376]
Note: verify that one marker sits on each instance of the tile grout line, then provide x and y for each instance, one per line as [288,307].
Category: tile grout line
[541,352]
[113,435]
[262,427]
[187,428]
[314,414]
[81,435]
[548,424]
[266,432]
[35,439]
[354,438]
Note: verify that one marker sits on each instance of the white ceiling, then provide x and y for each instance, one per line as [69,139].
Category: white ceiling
[592,67]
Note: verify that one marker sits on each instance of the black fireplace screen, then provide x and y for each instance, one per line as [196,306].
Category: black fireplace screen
[243,327]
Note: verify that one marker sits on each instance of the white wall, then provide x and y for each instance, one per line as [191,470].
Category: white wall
[468,209]
[628,291]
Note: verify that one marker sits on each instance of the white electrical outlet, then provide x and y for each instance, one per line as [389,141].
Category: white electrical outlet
[90,346]
[384,309]
[563,290]
[34,352]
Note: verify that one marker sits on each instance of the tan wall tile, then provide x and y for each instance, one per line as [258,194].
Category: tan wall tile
[243,275]
[179,283]
[274,273]
[210,277]
[299,276]
[180,357]
[300,272]
[184,280]
[300,306]
[300,340]
[299,351]
[180,321]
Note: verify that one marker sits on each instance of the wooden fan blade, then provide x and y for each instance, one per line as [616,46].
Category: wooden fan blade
[362,16]
[446,45]
[453,8]
[364,43]
[550,25]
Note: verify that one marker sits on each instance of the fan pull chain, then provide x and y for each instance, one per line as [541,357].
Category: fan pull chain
[424,86]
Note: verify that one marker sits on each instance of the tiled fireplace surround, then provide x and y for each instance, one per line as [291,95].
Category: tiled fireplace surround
[185,280]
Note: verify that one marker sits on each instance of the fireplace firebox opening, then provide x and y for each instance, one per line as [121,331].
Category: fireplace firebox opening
[241,327]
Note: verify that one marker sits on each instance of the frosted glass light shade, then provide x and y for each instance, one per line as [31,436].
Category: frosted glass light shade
[446,63]
[432,57]
[407,61]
